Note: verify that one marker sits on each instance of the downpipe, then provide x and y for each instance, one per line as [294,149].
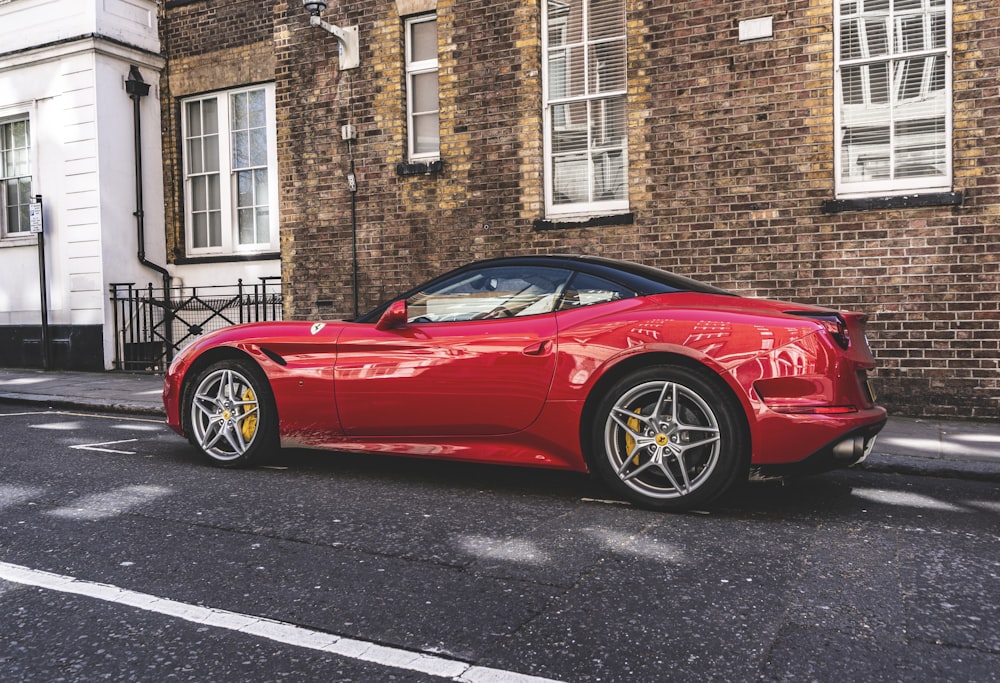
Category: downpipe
[137,89]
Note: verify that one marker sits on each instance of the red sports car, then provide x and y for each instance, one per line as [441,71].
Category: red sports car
[669,389]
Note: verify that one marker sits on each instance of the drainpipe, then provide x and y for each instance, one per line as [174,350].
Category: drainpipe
[136,89]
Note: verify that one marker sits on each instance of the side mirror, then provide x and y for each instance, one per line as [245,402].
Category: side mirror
[394,317]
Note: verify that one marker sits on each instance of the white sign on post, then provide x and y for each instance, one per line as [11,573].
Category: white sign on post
[35,216]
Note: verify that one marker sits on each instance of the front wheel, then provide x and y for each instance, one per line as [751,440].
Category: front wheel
[231,417]
[667,438]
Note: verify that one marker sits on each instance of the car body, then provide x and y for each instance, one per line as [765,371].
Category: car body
[669,389]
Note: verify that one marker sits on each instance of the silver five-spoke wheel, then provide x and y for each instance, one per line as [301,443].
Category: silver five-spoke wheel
[668,438]
[662,439]
[229,414]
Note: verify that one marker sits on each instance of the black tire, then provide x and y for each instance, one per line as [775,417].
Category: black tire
[230,414]
[668,438]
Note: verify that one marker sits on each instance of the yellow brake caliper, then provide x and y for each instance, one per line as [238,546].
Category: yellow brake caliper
[633,424]
[249,426]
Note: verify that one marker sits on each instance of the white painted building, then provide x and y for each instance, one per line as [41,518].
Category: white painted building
[67,133]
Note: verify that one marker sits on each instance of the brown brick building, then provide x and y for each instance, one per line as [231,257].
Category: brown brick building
[838,152]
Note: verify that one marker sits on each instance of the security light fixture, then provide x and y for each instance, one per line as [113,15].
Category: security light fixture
[347,37]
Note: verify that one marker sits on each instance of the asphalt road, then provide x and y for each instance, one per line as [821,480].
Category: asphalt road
[123,557]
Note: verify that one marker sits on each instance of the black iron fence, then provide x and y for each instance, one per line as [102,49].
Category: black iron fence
[151,324]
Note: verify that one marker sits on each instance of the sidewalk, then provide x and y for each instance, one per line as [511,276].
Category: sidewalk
[906,445]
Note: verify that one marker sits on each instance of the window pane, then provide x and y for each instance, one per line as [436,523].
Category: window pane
[199,230]
[258,147]
[210,117]
[199,193]
[211,153]
[608,122]
[248,230]
[238,111]
[910,77]
[260,186]
[215,228]
[569,179]
[607,67]
[244,188]
[919,148]
[852,88]
[939,26]
[426,133]
[257,104]
[423,41]
[876,38]
[850,39]
[878,82]
[569,127]
[263,225]
[214,195]
[425,92]
[196,162]
[241,149]
[607,19]
[609,176]
[911,33]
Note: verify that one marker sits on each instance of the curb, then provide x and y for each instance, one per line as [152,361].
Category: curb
[90,404]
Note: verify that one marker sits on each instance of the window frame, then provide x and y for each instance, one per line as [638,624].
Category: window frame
[229,192]
[551,100]
[413,69]
[845,188]
[6,234]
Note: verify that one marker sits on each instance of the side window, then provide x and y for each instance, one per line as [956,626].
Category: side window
[489,293]
[587,290]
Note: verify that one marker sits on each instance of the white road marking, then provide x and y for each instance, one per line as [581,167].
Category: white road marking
[119,418]
[98,446]
[278,631]
[107,504]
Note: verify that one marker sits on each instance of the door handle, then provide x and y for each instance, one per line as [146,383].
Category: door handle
[538,348]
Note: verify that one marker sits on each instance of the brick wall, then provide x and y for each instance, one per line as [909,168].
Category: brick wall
[731,158]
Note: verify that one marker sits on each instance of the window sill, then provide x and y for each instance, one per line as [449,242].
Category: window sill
[906,201]
[227,258]
[420,168]
[19,241]
[595,222]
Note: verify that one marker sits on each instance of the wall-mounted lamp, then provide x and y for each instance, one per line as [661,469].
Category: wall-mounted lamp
[347,37]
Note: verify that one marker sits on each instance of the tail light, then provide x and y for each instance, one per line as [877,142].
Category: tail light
[833,323]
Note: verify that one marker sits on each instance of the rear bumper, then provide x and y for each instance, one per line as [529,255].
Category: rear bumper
[847,449]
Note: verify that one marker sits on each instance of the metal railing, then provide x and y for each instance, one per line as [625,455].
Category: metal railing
[152,325]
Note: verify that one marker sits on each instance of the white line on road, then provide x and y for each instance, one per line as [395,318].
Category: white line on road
[97,446]
[277,631]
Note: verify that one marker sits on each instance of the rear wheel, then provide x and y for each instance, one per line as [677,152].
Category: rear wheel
[231,415]
[668,438]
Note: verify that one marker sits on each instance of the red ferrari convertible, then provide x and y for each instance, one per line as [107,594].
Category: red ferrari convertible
[670,390]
